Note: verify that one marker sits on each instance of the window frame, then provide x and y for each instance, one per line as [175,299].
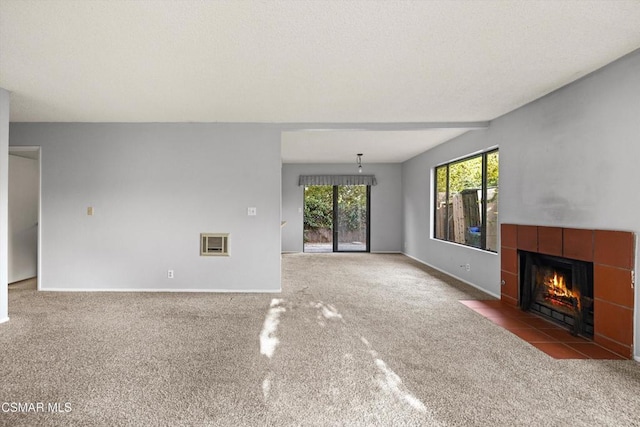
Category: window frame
[484,191]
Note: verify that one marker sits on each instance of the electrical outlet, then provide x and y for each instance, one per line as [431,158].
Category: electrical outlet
[252,211]
[468,267]
[169,274]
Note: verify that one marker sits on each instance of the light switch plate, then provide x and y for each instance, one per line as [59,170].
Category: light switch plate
[90,211]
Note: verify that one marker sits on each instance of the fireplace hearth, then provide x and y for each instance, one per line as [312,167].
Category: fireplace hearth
[559,289]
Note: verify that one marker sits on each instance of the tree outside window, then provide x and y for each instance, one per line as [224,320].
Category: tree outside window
[466,201]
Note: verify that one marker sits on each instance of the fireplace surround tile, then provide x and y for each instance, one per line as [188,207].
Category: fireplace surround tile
[577,244]
[510,285]
[614,248]
[509,260]
[614,285]
[613,321]
[509,236]
[623,349]
[550,241]
[528,238]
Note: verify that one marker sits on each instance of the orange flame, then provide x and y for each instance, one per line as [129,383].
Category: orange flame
[558,293]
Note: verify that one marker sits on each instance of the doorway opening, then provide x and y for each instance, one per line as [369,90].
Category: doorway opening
[24,202]
[337,218]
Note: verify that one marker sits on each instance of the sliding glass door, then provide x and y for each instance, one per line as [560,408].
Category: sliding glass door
[351,218]
[318,218]
[336,218]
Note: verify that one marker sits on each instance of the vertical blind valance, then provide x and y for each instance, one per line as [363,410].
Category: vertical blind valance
[337,180]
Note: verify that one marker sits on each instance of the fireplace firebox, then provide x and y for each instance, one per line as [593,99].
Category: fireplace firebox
[559,289]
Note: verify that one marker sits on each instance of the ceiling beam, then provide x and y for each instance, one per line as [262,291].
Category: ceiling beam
[386,126]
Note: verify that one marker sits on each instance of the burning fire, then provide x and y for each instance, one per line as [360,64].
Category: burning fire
[557,292]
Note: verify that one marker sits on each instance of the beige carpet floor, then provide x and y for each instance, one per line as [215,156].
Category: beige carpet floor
[353,339]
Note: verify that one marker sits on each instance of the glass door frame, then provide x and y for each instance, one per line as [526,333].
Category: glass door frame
[335,222]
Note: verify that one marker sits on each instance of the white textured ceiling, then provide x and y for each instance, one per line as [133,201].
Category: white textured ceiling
[302,61]
[377,146]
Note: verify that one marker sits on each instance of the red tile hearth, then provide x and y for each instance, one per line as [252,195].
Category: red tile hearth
[613,257]
[540,333]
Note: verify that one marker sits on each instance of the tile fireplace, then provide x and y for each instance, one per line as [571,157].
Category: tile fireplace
[580,279]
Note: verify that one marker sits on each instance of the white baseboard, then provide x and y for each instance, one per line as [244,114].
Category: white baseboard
[221,291]
[454,276]
[6,319]
[636,358]
[386,252]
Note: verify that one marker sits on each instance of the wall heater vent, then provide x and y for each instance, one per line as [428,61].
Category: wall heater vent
[212,244]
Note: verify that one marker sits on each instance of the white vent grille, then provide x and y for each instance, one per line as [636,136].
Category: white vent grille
[214,244]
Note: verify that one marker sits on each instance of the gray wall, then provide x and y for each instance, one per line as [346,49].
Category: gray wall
[24,186]
[4,201]
[418,214]
[568,159]
[154,188]
[386,203]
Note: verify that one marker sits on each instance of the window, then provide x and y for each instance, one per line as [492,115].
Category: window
[461,213]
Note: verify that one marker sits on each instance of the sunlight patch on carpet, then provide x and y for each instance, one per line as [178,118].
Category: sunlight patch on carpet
[266,385]
[391,383]
[326,312]
[268,339]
